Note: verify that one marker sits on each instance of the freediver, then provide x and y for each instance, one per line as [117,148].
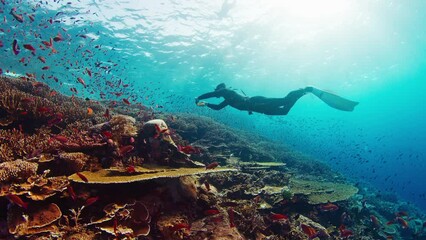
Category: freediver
[271,106]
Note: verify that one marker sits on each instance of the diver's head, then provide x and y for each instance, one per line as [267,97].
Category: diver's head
[220,86]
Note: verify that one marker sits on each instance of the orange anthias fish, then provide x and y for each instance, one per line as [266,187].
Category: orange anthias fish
[188,149]
[82,177]
[308,230]
[29,47]
[126,149]
[42,59]
[107,134]
[211,212]
[131,169]
[231,217]
[278,217]
[71,192]
[61,138]
[126,101]
[375,221]
[58,38]
[89,72]
[18,17]
[212,165]
[328,207]
[17,200]
[80,80]
[402,222]
[345,233]
[89,111]
[91,201]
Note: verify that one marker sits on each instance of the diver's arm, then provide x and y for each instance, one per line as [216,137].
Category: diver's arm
[207,95]
[217,106]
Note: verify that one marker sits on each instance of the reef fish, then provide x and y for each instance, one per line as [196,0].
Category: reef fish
[131,169]
[126,149]
[278,217]
[42,59]
[17,200]
[188,149]
[18,17]
[61,138]
[212,165]
[80,80]
[71,192]
[82,177]
[89,111]
[15,47]
[328,207]
[231,217]
[402,222]
[91,201]
[58,38]
[375,221]
[211,212]
[126,101]
[345,233]
[308,230]
[30,47]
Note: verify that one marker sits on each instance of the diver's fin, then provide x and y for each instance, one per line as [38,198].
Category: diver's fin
[334,100]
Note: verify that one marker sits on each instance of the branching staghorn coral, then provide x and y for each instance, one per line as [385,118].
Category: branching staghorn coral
[30,100]
[17,145]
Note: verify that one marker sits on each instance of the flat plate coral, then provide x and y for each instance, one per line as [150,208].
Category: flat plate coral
[111,176]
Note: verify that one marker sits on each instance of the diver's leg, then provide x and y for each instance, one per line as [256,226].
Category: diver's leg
[281,106]
[289,100]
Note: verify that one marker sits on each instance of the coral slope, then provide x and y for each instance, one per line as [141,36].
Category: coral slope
[70,173]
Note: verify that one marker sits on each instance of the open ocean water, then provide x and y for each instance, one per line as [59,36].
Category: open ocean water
[163,54]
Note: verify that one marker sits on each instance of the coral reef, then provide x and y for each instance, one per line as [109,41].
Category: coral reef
[119,172]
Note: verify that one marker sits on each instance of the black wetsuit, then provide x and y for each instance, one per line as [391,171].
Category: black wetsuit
[268,106]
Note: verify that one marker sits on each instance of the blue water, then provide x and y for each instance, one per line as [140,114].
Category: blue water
[169,52]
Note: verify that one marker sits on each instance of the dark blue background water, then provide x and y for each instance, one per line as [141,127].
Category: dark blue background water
[169,52]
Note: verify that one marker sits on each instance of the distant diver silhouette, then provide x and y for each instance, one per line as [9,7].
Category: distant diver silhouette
[271,106]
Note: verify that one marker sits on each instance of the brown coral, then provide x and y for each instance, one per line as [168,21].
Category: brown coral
[37,218]
[122,126]
[72,162]
[17,171]
[15,144]
[37,187]
[130,219]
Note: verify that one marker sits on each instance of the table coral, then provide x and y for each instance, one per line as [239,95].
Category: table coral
[322,192]
[115,176]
